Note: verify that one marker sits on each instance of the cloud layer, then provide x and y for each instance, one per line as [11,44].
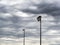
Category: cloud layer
[16,15]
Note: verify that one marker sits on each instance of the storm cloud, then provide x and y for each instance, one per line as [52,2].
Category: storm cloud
[16,15]
[44,7]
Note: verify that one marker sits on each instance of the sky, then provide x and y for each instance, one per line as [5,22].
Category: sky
[16,15]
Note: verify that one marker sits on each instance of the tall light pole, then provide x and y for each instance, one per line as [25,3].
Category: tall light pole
[39,20]
[23,36]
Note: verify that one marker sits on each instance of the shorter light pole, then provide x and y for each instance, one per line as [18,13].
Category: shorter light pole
[23,36]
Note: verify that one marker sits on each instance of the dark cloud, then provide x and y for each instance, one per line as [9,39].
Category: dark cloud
[9,22]
[55,27]
[4,8]
[13,25]
[44,8]
[13,20]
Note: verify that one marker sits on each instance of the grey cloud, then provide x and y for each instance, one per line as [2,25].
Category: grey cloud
[4,8]
[9,22]
[7,9]
[18,22]
[14,22]
[55,27]
[44,8]
[13,33]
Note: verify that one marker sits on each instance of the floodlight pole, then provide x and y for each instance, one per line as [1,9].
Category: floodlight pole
[39,19]
[23,36]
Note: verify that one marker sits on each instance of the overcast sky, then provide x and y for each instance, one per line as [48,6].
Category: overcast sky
[16,15]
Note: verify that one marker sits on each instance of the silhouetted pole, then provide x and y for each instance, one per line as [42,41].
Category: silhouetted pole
[23,36]
[39,19]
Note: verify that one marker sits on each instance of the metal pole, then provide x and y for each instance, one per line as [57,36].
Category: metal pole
[23,36]
[40,32]
[39,19]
